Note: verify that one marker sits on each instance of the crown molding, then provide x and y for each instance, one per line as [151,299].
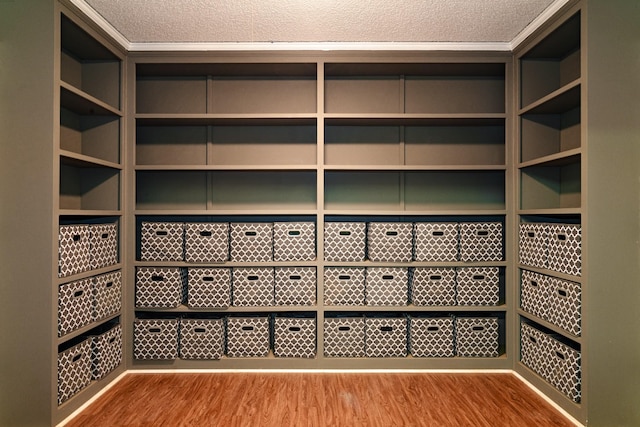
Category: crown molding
[534,25]
[318,46]
[120,39]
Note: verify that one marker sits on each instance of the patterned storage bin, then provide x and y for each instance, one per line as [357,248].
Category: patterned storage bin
[201,338]
[481,241]
[104,244]
[206,242]
[387,286]
[162,241]
[295,285]
[344,337]
[477,337]
[436,241]
[106,352]
[345,241]
[161,286]
[390,241]
[344,286]
[74,370]
[565,248]
[534,293]
[534,244]
[386,337]
[431,336]
[253,287]
[294,337]
[433,286]
[565,305]
[248,336]
[107,294]
[478,285]
[294,241]
[209,287]
[155,339]
[553,360]
[75,305]
[251,242]
[73,249]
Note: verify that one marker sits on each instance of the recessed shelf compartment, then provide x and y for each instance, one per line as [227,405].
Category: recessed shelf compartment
[548,134]
[88,187]
[88,65]
[228,143]
[415,88]
[226,88]
[415,142]
[226,190]
[415,191]
[95,136]
[552,63]
[551,187]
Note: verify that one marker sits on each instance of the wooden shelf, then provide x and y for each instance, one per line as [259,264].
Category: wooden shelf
[87,328]
[558,159]
[184,309]
[553,273]
[84,161]
[551,326]
[561,100]
[82,103]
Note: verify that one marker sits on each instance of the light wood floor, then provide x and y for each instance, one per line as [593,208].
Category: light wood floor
[320,399]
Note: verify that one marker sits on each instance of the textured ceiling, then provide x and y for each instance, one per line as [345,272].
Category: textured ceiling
[251,21]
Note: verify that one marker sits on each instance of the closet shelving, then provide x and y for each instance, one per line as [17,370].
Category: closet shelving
[89,147]
[551,101]
[309,139]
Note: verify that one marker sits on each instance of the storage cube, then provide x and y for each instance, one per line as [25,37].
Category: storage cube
[106,352]
[481,241]
[433,286]
[565,305]
[295,285]
[294,337]
[161,286]
[251,242]
[201,338]
[206,242]
[75,305]
[104,244]
[344,337]
[345,241]
[553,360]
[162,241]
[431,336]
[294,241]
[534,293]
[387,286]
[478,285]
[386,336]
[155,339]
[74,370]
[565,248]
[107,292]
[390,241]
[344,286]
[477,336]
[253,287]
[209,287]
[73,249]
[248,336]
[534,244]
[436,241]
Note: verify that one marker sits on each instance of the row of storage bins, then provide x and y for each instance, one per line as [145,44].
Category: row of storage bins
[343,241]
[85,301]
[552,246]
[168,287]
[558,363]
[85,247]
[89,360]
[356,336]
[552,299]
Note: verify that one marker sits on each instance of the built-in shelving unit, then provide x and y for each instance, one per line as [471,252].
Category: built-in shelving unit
[550,123]
[320,139]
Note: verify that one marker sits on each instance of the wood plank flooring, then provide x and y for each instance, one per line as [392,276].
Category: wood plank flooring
[320,399]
